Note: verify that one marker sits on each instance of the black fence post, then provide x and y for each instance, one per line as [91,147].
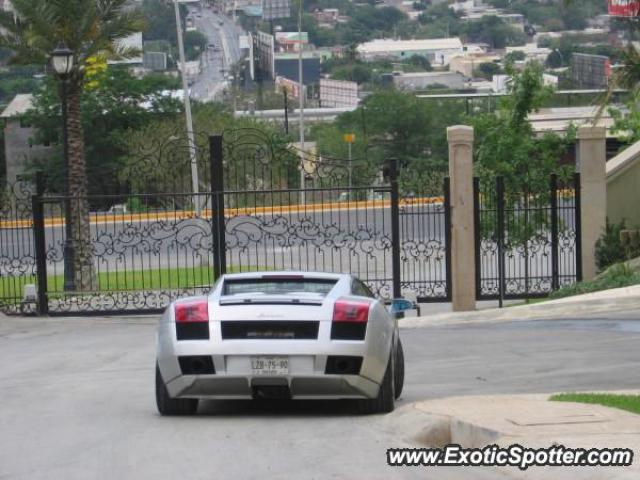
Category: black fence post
[217,205]
[477,233]
[578,220]
[447,236]
[555,274]
[395,226]
[40,245]
[500,220]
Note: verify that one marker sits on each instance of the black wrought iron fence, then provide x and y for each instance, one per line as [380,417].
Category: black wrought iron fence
[527,242]
[286,209]
[265,205]
[267,208]
[136,259]
[17,249]
[425,226]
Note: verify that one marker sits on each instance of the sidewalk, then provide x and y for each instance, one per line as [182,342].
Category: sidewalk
[618,299]
[531,421]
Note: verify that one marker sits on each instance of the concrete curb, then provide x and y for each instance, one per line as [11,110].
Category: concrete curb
[528,420]
[619,299]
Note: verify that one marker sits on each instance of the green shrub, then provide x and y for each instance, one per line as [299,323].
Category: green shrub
[619,275]
[609,249]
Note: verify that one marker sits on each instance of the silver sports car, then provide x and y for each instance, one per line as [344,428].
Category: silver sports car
[272,335]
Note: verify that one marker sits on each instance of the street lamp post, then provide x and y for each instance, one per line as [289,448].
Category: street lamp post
[62,61]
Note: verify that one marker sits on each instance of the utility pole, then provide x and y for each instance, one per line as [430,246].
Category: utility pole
[286,111]
[301,96]
[349,138]
[187,112]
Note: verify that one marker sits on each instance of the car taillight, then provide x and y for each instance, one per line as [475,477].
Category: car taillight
[350,311]
[193,311]
[192,319]
[350,319]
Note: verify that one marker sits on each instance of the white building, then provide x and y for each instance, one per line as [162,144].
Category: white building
[531,52]
[6,5]
[19,147]
[500,83]
[438,51]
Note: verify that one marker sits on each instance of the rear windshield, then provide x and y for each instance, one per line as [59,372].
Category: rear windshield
[278,286]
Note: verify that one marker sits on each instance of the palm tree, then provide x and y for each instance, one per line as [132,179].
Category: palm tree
[89,28]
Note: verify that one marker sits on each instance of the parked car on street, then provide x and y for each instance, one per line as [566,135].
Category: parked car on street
[280,335]
[119,208]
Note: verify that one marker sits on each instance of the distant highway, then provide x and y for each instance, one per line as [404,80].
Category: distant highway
[223,51]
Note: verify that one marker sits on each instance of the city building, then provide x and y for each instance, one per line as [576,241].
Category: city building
[6,5]
[291,41]
[468,63]
[438,51]
[329,17]
[286,65]
[532,52]
[424,80]
[19,147]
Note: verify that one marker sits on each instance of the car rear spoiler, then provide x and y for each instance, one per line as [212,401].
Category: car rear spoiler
[269,301]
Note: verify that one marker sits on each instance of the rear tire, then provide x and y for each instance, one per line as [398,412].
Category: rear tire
[384,402]
[172,406]
[399,371]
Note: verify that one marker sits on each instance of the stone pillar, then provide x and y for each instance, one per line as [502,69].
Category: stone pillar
[463,267]
[591,162]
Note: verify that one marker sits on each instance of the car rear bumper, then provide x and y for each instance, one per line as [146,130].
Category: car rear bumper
[309,377]
[313,372]
[297,387]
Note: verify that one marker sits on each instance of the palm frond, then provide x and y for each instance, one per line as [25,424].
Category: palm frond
[88,27]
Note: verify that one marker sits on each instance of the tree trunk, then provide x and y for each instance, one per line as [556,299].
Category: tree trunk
[84,273]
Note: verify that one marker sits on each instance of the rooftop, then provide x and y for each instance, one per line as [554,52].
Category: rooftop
[385,45]
[20,104]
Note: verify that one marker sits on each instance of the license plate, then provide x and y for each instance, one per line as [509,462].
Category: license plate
[270,365]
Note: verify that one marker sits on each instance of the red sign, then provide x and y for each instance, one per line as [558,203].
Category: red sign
[624,8]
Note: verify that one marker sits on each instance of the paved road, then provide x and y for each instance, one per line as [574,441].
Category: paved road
[77,401]
[310,239]
[217,60]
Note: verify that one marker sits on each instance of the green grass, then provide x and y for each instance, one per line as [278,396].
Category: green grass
[616,276]
[630,403]
[156,279]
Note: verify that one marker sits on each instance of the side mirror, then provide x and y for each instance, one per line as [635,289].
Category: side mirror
[400,305]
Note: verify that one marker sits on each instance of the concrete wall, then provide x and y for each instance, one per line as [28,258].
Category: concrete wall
[19,151]
[623,187]
[623,197]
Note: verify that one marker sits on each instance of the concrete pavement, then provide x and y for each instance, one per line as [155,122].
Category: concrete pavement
[613,300]
[531,421]
[77,401]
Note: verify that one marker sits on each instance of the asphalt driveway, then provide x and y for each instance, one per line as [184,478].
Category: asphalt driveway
[77,400]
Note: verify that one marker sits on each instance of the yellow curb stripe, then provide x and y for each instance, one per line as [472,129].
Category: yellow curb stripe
[230,212]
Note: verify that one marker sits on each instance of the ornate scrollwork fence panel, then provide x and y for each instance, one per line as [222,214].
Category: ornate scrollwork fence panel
[144,247]
[17,250]
[527,242]
[425,247]
[141,260]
